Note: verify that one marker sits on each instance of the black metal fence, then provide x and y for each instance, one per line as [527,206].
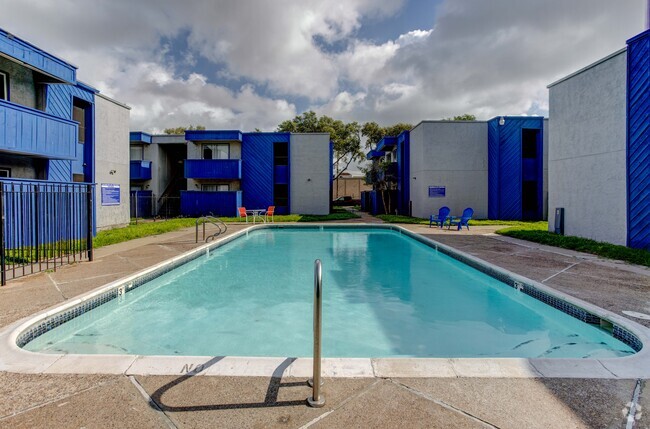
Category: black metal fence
[147,205]
[44,225]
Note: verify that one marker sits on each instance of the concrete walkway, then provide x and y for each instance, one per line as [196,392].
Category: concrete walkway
[186,401]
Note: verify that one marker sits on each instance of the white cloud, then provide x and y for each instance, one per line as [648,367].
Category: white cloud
[487,58]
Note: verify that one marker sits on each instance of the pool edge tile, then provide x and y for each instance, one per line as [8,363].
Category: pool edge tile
[412,367]
[91,364]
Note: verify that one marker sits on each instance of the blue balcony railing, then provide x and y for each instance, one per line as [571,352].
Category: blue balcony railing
[140,170]
[28,131]
[201,203]
[213,169]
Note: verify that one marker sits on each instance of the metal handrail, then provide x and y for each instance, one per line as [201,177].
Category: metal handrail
[317,399]
[214,221]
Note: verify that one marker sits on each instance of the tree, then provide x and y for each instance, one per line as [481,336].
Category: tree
[346,137]
[373,132]
[464,117]
[181,130]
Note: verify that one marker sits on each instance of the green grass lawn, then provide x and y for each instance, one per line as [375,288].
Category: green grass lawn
[541,235]
[473,222]
[147,228]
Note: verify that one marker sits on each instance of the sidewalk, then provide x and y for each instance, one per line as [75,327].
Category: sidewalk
[185,401]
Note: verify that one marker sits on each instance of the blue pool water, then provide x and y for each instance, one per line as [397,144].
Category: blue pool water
[385,295]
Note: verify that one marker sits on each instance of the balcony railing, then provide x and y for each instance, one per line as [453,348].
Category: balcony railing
[140,170]
[202,203]
[213,169]
[28,131]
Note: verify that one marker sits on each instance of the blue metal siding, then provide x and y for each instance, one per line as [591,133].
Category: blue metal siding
[32,132]
[213,135]
[638,141]
[257,168]
[493,169]
[140,170]
[37,58]
[59,103]
[505,166]
[213,169]
[200,203]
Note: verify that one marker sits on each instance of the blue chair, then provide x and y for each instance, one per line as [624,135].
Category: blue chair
[463,220]
[443,215]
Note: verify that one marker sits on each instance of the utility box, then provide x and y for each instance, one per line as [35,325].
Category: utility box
[559,220]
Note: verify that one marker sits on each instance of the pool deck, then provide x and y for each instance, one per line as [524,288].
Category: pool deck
[187,400]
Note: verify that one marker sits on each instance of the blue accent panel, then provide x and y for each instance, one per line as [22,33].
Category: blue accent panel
[257,168]
[139,137]
[374,154]
[59,103]
[37,58]
[213,168]
[140,170]
[59,99]
[281,176]
[32,132]
[386,144]
[213,135]
[59,170]
[638,141]
[493,169]
[506,166]
[200,203]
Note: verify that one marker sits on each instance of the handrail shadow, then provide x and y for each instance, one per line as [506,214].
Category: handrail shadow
[270,400]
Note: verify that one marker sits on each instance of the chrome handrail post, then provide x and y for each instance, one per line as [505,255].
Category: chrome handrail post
[317,399]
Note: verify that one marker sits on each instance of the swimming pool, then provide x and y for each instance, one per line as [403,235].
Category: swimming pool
[385,295]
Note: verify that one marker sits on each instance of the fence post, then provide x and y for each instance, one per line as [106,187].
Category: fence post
[89,216]
[3,274]
[36,223]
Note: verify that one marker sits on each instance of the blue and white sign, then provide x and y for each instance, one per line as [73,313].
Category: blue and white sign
[110,194]
[437,191]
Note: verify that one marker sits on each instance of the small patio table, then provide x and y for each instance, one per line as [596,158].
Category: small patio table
[255,213]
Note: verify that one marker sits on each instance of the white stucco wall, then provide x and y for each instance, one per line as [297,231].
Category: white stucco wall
[587,145]
[309,157]
[111,154]
[453,154]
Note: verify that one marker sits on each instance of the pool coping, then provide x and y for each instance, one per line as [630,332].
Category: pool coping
[15,359]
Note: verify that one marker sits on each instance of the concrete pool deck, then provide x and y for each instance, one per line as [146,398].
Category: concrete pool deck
[185,400]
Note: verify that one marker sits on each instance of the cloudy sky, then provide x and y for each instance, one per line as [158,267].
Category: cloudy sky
[249,64]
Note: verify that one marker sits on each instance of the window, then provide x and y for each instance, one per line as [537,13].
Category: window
[5,172]
[79,115]
[529,143]
[219,187]
[137,152]
[215,151]
[281,153]
[4,86]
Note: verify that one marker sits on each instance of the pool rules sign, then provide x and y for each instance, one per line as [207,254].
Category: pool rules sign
[110,194]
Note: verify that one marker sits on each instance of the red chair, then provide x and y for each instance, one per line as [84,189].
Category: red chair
[269,212]
[242,213]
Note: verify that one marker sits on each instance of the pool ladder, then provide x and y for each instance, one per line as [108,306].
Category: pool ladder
[221,227]
[317,399]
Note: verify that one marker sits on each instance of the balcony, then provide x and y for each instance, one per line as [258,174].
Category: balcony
[201,203]
[140,170]
[30,132]
[228,169]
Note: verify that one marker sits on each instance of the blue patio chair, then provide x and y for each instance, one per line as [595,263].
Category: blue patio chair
[443,215]
[462,221]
